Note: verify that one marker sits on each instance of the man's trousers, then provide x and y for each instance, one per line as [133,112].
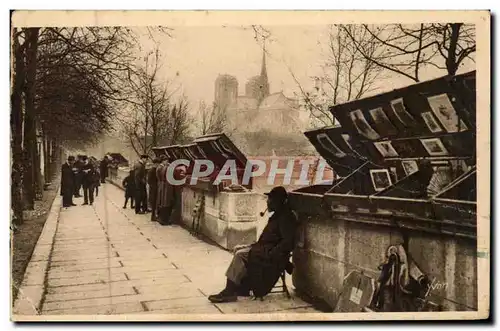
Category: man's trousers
[237,270]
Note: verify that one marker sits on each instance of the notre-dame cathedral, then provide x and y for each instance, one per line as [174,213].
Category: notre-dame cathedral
[258,109]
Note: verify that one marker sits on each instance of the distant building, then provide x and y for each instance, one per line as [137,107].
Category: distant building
[258,109]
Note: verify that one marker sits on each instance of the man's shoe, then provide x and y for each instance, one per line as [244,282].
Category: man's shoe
[124,207]
[223,297]
[140,213]
[73,204]
[85,203]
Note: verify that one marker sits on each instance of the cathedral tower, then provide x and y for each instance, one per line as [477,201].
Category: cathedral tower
[226,90]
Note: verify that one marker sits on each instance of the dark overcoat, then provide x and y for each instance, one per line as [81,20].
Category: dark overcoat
[269,256]
[67,179]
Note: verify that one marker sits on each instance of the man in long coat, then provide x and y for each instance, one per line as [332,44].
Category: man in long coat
[166,193]
[77,169]
[88,175]
[68,182]
[103,165]
[141,199]
[257,267]
[153,189]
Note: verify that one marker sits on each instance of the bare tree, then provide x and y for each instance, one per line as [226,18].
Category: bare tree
[212,119]
[346,74]
[408,49]
[152,118]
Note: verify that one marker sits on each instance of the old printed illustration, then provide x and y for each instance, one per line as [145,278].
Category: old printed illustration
[249,165]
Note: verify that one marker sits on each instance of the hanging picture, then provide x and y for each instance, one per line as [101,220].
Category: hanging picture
[409,166]
[362,125]
[385,148]
[444,111]
[431,122]
[380,179]
[400,112]
[328,144]
[382,121]
[434,146]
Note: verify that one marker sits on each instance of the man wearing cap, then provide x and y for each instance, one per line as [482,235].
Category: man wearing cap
[141,198]
[68,182]
[257,267]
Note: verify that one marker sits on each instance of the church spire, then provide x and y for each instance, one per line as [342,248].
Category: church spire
[264,83]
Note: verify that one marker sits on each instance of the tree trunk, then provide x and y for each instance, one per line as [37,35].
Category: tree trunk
[16,126]
[451,60]
[29,123]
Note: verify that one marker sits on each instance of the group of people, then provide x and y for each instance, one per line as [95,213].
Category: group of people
[80,173]
[148,191]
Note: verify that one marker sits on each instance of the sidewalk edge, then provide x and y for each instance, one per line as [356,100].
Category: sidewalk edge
[32,289]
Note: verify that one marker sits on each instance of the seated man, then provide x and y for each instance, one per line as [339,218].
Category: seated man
[257,267]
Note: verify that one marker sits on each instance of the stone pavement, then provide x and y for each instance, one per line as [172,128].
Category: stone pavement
[108,260]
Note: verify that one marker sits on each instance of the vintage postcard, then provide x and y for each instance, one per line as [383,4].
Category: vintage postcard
[250,165]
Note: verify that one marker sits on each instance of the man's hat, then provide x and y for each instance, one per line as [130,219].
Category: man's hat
[84,157]
[278,193]
[71,158]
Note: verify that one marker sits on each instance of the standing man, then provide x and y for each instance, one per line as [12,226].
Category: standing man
[153,189]
[104,168]
[77,169]
[88,174]
[141,200]
[68,182]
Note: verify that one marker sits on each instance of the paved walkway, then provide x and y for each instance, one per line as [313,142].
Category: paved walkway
[108,260]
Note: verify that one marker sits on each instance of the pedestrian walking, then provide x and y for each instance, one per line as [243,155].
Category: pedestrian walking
[68,182]
[130,191]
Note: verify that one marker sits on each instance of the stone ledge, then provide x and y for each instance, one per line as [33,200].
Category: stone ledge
[30,296]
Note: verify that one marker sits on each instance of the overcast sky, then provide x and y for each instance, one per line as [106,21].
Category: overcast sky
[195,55]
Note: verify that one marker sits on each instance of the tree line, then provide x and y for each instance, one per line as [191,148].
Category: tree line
[67,87]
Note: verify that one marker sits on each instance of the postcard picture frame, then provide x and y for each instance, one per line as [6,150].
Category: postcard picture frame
[434,146]
[385,148]
[431,122]
[330,145]
[362,126]
[381,179]
[445,112]
[409,166]
[399,110]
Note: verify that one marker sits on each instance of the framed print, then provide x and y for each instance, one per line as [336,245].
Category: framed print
[398,107]
[409,166]
[328,144]
[443,109]
[359,121]
[434,146]
[383,122]
[431,122]
[381,179]
[385,148]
